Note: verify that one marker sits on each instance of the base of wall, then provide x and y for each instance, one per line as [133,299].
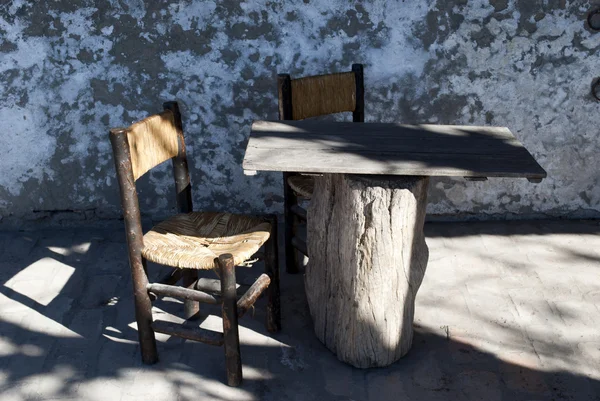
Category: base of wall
[86,218]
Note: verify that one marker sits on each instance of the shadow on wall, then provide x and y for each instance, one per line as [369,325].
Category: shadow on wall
[67,331]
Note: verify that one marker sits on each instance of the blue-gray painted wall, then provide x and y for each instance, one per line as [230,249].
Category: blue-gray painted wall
[70,70]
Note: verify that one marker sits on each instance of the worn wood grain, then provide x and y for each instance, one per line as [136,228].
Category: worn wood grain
[388,148]
[250,297]
[231,335]
[367,260]
[181,292]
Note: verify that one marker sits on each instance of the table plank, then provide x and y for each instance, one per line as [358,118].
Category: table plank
[382,148]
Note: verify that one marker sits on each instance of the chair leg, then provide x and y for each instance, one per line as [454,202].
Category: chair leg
[289,199]
[230,320]
[191,308]
[273,322]
[143,311]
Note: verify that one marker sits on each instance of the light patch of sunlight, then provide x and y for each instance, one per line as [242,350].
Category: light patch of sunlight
[454,130]
[97,389]
[31,350]
[193,386]
[526,359]
[42,280]
[39,323]
[114,330]
[252,373]
[591,350]
[251,337]
[60,250]
[79,248]
[33,321]
[118,335]
[269,126]
[149,384]
[51,384]
[8,348]
[247,336]
[212,322]
[534,338]
[160,337]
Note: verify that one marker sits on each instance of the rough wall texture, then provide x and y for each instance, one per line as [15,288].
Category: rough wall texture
[69,70]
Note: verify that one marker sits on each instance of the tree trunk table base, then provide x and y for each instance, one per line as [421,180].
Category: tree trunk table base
[367,260]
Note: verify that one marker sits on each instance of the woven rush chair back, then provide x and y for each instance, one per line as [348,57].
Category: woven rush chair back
[320,95]
[148,143]
[151,142]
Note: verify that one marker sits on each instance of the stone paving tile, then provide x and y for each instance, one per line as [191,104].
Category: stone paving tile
[507,311]
[100,290]
[18,245]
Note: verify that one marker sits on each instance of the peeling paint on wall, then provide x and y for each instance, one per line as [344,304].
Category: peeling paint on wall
[72,70]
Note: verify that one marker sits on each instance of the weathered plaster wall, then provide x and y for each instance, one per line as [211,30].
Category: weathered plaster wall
[69,70]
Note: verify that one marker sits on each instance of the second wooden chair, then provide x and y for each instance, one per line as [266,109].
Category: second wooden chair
[309,97]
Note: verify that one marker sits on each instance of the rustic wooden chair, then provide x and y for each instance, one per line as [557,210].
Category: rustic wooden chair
[189,241]
[309,97]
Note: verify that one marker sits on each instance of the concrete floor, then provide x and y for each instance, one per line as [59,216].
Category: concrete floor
[507,311]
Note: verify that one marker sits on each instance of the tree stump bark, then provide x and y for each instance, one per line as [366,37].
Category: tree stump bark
[367,258]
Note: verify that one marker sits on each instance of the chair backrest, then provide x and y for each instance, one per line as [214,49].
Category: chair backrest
[152,141]
[322,94]
[143,146]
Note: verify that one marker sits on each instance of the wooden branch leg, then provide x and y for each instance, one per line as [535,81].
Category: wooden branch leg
[143,310]
[191,309]
[289,199]
[230,320]
[135,244]
[273,322]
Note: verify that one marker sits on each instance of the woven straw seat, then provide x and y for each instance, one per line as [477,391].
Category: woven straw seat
[303,185]
[194,240]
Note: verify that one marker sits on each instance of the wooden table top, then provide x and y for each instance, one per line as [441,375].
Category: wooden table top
[388,148]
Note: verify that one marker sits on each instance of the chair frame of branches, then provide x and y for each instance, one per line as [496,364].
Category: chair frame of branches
[192,290]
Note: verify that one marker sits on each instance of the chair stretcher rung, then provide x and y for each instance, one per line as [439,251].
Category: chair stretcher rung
[300,245]
[189,333]
[181,292]
[213,285]
[299,211]
[250,297]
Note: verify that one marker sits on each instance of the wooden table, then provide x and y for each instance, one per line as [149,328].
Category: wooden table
[365,221]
